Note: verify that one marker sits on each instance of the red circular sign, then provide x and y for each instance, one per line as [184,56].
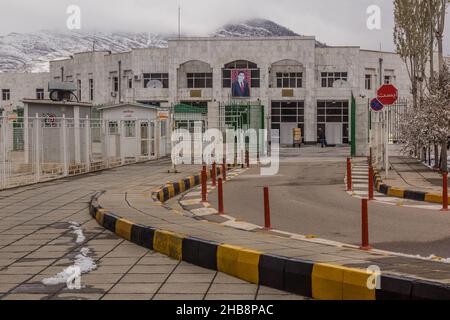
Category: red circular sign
[387,94]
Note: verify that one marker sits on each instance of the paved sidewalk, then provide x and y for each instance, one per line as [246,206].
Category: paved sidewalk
[412,174]
[132,203]
[41,234]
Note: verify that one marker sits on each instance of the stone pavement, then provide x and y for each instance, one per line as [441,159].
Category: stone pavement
[133,203]
[412,174]
[46,228]
[360,180]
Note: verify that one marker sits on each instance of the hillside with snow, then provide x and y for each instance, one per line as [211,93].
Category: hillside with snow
[31,52]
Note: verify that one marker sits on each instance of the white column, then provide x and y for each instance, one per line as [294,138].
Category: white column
[105,149]
[157,138]
[4,150]
[77,133]
[87,135]
[26,135]
[37,147]
[121,141]
[64,146]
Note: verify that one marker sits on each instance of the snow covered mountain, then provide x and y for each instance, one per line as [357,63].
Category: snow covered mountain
[30,52]
[254,28]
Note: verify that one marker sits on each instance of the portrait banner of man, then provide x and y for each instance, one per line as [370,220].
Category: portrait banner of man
[240,83]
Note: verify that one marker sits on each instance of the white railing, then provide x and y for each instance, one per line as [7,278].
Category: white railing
[37,149]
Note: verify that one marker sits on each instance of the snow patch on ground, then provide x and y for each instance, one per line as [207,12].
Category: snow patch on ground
[76,229]
[434,258]
[82,261]
[82,264]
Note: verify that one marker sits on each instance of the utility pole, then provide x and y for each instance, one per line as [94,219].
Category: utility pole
[179,20]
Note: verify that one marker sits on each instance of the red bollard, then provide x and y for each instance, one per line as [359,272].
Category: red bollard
[224,170]
[220,193]
[365,225]
[213,174]
[371,183]
[267,225]
[445,191]
[349,174]
[204,187]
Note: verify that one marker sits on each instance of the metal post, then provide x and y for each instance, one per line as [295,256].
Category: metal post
[267,224]
[213,174]
[365,225]
[349,174]
[220,195]
[386,148]
[371,182]
[224,170]
[204,186]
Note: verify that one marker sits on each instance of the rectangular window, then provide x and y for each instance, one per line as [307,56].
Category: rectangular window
[163,128]
[113,127]
[40,94]
[6,95]
[328,78]
[289,80]
[130,129]
[115,84]
[387,79]
[79,89]
[130,83]
[368,82]
[156,80]
[199,80]
[91,89]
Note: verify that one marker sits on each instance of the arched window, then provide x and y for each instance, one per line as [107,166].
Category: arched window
[241,64]
[195,74]
[287,74]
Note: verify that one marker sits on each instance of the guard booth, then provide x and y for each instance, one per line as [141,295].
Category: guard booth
[132,132]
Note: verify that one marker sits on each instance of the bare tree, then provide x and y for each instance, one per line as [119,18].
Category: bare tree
[440,7]
[412,39]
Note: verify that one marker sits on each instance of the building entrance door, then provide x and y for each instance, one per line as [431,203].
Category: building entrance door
[286,133]
[144,139]
[333,133]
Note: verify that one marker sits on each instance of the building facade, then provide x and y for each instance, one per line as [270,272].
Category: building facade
[289,81]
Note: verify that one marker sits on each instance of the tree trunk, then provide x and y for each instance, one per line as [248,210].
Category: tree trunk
[431,13]
[429,155]
[444,166]
[436,155]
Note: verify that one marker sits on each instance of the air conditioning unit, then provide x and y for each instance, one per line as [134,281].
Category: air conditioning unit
[137,78]
[113,94]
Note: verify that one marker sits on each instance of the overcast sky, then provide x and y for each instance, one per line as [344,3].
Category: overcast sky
[334,22]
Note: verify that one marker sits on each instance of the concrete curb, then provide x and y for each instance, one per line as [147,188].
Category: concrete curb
[172,189]
[302,277]
[404,193]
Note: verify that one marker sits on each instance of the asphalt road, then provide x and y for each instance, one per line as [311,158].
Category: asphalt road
[308,197]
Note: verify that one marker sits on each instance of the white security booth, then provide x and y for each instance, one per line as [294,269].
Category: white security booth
[134,130]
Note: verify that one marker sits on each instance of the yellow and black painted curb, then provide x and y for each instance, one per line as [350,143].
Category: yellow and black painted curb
[172,189]
[405,194]
[302,277]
